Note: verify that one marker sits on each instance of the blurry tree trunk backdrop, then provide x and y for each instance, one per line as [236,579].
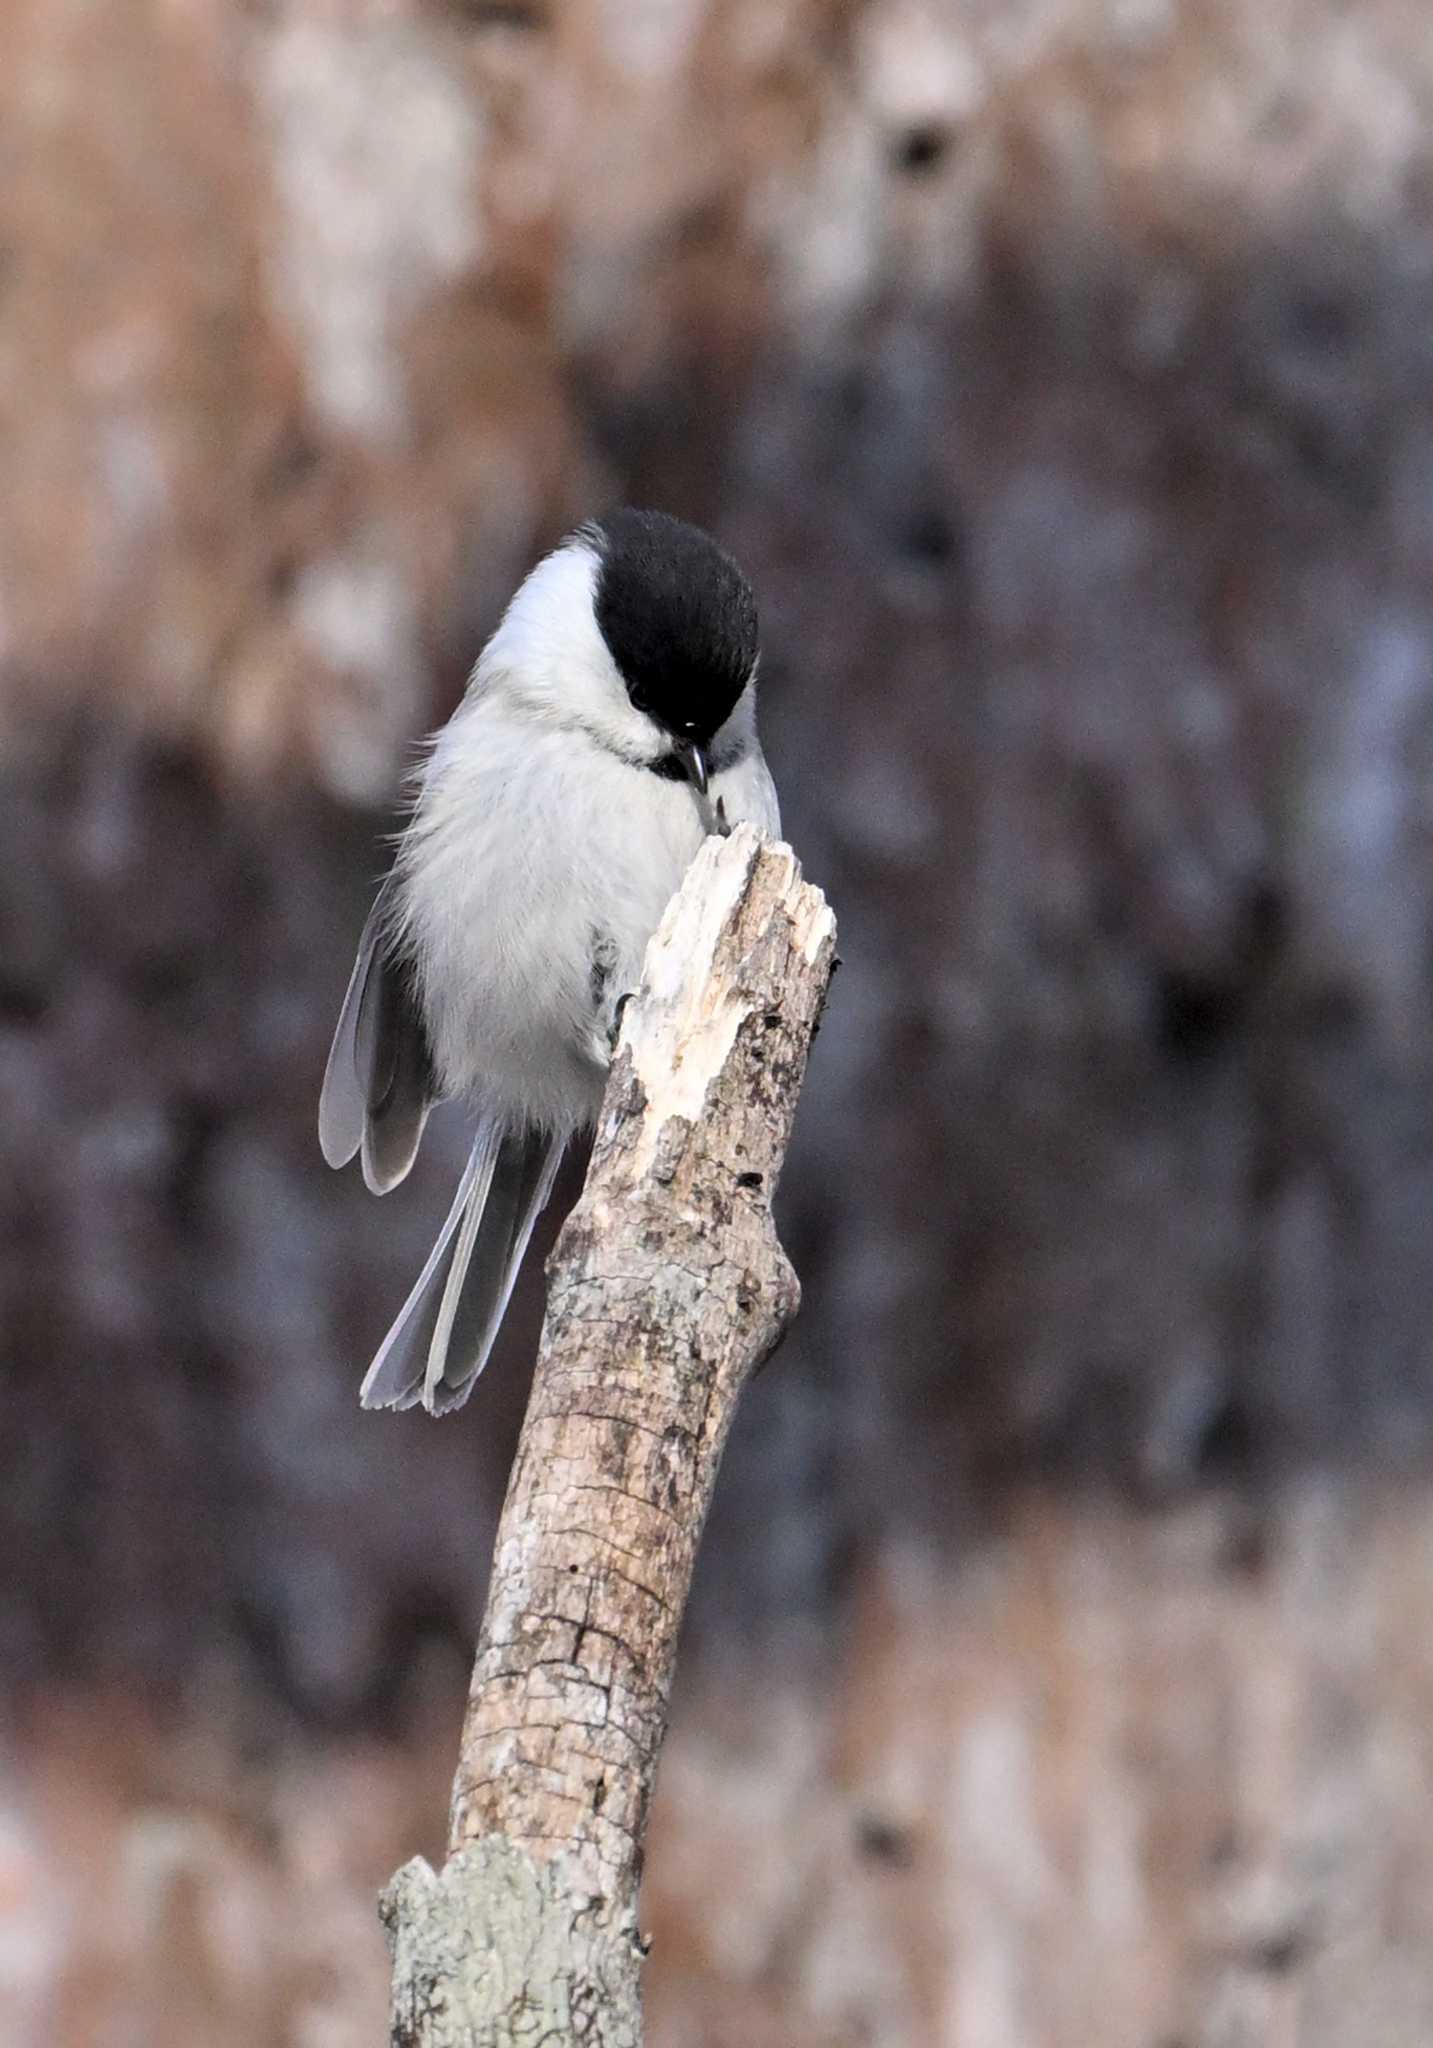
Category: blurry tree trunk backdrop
[668,1290]
[1057,1667]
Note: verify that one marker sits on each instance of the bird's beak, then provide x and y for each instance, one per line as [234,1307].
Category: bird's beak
[694,761]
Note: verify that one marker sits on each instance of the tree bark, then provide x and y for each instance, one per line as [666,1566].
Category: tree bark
[667,1289]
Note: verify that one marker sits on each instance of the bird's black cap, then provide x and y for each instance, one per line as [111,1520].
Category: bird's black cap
[678,617]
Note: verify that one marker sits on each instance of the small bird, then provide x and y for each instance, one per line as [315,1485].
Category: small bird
[608,726]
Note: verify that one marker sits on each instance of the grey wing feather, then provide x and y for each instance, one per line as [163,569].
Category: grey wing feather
[342,1104]
[378,1086]
[484,1267]
[399,1070]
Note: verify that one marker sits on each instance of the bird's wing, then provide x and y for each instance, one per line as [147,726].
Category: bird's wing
[378,1086]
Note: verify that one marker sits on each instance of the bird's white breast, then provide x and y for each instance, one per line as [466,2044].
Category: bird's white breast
[533,848]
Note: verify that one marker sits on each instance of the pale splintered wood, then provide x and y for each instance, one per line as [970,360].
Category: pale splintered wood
[667,1288]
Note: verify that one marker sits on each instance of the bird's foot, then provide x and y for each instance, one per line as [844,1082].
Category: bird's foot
[615,1031]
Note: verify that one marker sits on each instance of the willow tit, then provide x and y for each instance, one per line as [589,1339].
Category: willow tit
[608,726]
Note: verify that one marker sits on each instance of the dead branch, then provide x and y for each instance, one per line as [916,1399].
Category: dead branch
[667,1289]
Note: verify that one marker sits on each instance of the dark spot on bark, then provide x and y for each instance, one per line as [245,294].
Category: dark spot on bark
[1194,1017]
[748,1180]
[1245,1553]
[928,538]
[703,224]
[884,1841]
[295,457]
[599,1795]
[1323,319]
[1279,1952]
[21,1004]
[1226,1444]
[921,149]
[195,1128]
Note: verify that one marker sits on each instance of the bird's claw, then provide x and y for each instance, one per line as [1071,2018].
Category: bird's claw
[615,1031]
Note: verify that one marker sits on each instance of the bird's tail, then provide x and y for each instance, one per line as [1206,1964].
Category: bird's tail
[445,1329]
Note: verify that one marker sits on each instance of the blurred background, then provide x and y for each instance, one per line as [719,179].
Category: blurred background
[1060,1673]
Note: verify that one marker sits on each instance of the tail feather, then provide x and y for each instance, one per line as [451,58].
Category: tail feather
[446,1328]
[395,1378]
[485,1267]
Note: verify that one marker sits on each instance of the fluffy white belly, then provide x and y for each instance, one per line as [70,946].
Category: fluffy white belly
[536,868]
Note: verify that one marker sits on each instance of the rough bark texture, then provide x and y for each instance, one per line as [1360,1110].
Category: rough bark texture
[501,1950]
[668,1289]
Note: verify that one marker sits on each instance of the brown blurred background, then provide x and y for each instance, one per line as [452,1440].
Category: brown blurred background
[1061,1669]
